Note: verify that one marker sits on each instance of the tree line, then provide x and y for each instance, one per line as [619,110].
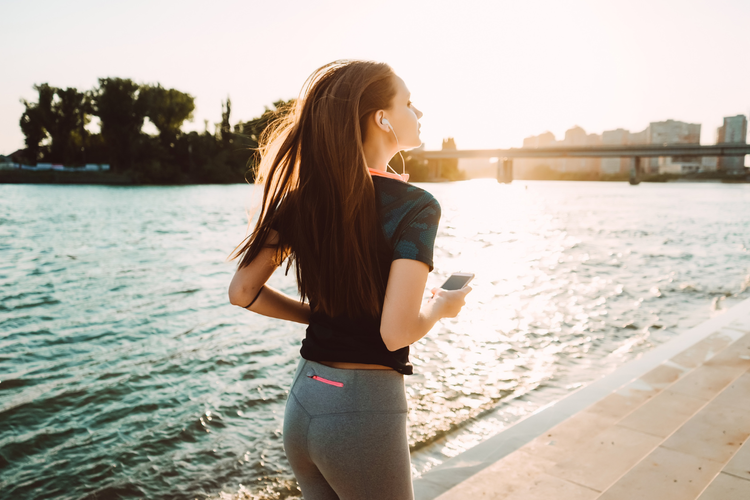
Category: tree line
[55,130]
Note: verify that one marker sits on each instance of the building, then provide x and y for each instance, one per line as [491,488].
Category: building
[734,130]
[672,132]
[709,163]
[540,141]
[641,137]
[617,137]
[524,168]
[680,165]
[575,136]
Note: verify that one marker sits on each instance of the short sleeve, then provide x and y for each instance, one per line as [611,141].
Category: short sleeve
[417,239]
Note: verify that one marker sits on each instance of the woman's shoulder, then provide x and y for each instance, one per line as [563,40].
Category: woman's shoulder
[392,191]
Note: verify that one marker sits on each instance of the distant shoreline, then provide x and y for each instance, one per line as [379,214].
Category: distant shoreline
[16,176]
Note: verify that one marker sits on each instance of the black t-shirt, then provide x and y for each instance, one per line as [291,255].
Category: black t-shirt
[409,217]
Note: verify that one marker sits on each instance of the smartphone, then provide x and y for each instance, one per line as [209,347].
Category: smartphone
[457,281]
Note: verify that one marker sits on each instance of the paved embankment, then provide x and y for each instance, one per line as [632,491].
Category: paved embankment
[672,424]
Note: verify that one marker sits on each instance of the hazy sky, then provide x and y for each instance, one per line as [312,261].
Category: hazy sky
[488,73]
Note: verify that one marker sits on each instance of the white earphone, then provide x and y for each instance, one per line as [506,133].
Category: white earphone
[384,121]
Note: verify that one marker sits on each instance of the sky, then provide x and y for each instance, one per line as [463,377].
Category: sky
[487,73]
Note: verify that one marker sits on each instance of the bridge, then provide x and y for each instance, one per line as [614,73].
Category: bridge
[634,152]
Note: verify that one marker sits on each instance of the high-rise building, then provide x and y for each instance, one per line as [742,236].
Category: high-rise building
[525,167]
[575,136]
[673,132]
[734,130]
[639,137]
[593,165]
[617,137]
[540,141]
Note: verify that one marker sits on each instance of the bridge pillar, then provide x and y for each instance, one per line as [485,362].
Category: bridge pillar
[505,170]
[635,170]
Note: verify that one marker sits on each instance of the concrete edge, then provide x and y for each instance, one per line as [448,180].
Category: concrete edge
[456,470]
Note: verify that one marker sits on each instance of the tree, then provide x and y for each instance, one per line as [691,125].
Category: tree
[70,114]
[168,109]
[36,121]
[121,107]
[55,130]
[33,130]
[61,116]
[252,131]
[225,130]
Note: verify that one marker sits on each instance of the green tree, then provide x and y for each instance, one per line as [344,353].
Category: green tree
[121,108]
[168,109]
[33,129]
[225,129]
[36,121]
[70,113]
[252,131]
[59,115]
[55,130]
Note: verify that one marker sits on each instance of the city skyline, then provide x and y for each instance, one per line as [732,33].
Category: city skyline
[486,74]
[734,129]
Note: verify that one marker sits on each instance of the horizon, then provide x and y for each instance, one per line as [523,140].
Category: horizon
[493,74]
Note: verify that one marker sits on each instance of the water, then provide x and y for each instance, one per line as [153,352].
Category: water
[125,373]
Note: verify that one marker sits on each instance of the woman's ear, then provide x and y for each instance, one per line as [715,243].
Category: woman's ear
[379,121]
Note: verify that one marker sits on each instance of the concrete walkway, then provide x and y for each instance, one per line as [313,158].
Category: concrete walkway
[677,431]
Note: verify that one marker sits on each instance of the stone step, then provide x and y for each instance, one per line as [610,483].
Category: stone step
[592,450]
[689,459]
[733,483]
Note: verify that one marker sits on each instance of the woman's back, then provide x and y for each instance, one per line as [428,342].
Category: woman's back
[409,219]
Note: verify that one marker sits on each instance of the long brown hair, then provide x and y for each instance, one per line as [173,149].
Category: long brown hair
[318,193]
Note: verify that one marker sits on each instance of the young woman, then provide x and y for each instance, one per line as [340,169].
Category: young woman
[361,241]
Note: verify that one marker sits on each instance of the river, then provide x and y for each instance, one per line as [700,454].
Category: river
[125,373]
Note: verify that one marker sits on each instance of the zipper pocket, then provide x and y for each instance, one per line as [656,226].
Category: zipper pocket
[326,381]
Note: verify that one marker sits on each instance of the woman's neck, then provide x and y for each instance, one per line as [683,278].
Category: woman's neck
[377,155]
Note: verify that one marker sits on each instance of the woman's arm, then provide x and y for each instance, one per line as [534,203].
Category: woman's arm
[405,320]
[247,283]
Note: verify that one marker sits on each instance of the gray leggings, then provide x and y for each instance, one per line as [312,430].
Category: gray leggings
[345,433]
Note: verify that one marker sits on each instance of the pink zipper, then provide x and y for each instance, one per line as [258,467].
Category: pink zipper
[326,381]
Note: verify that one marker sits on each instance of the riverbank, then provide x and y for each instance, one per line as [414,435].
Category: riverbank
[670,424]
[18,176]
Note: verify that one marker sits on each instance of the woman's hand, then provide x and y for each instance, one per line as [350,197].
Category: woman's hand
[448,303]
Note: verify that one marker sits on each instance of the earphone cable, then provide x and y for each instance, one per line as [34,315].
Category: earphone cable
[403,162]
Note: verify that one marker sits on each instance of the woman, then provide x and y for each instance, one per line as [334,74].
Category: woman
[361,240]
